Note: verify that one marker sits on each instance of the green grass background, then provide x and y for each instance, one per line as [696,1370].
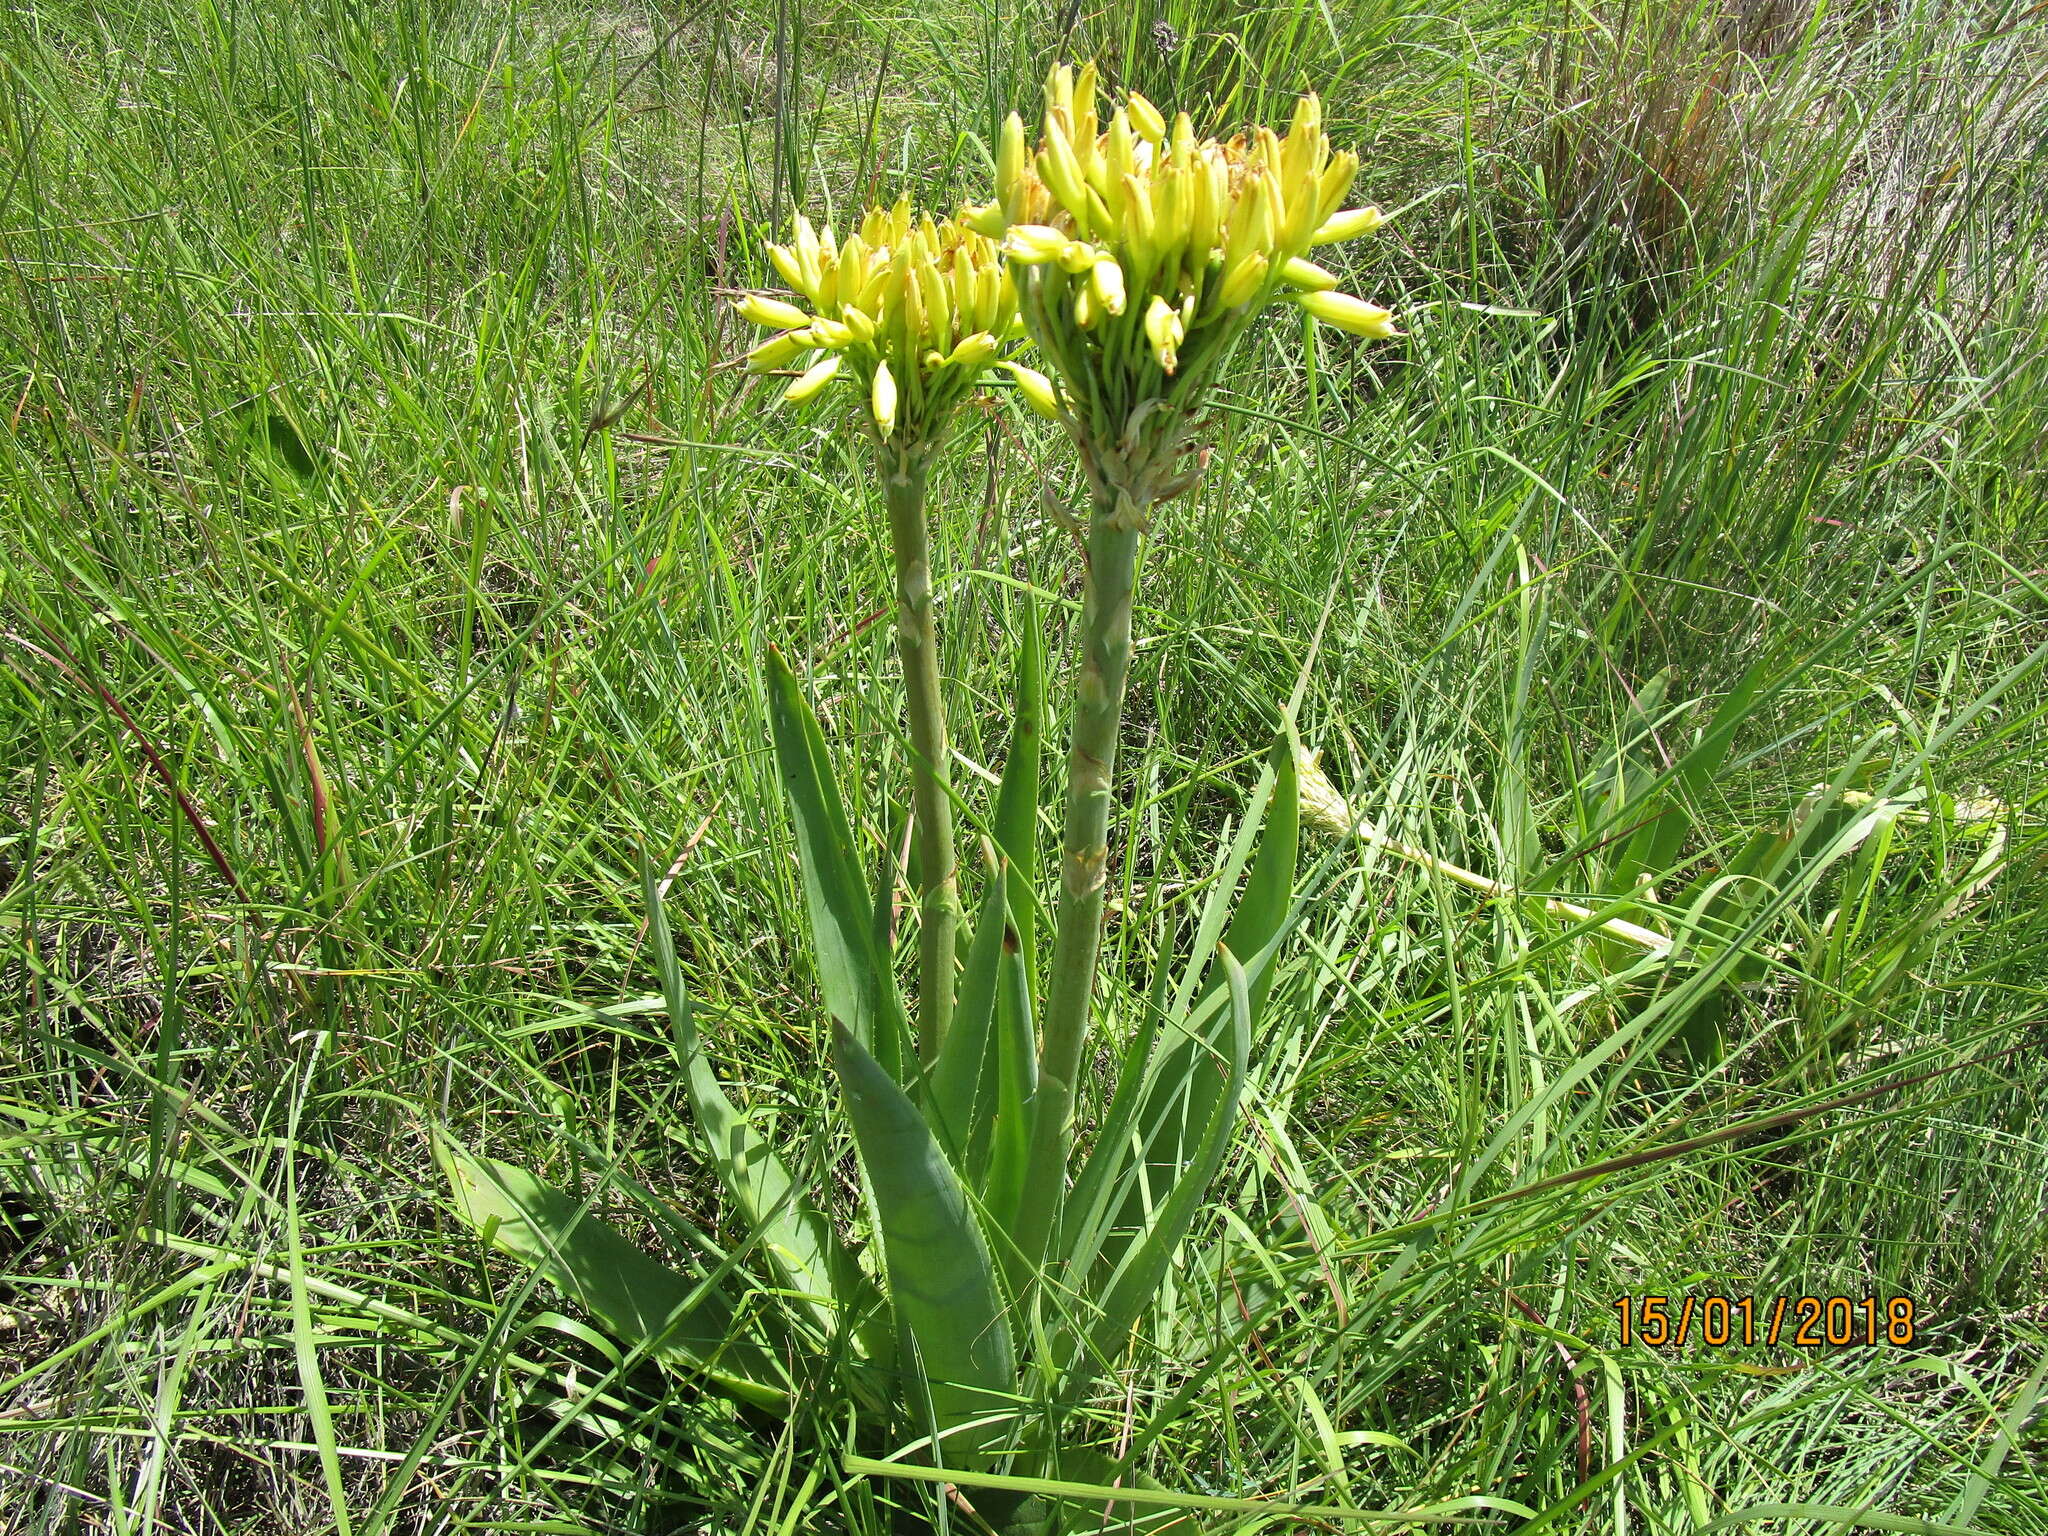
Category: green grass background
[349,669]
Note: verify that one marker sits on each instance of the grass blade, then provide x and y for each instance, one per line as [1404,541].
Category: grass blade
[806,1253]
[1136,1278]
[644,1303]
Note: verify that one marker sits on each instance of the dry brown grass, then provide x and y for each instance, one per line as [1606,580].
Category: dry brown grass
[1632,171]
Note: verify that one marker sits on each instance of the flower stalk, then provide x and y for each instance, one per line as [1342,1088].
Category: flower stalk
[1115,529]
[909,311]
[1140,255]
[931,791]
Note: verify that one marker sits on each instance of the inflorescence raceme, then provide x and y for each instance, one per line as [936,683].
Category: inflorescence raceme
[1140,251]
[911,308]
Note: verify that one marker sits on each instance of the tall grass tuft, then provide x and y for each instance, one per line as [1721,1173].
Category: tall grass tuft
[1636,136]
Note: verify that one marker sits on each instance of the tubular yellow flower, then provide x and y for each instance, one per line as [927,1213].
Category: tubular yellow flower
[1145,118]
[1307,276]
[972,351]
[1139,252]
[1164,330]
[914,309]
[774,314]
[806,243]
[1036,389]
[1335,183]
[814,379]
[1350,314]
[1062,172]
[1138,215]
[1077,256]
[1242,281]
[778,350]
[1011,158]
[1348,225]
[882,400]
[1107,278]
[1298,151]
[1031,243]
[791,271]
[1059,91]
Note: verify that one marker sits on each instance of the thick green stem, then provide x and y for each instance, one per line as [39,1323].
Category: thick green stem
[931,798]
[1084,856]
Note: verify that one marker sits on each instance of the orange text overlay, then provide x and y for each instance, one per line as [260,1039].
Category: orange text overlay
[1798,1322]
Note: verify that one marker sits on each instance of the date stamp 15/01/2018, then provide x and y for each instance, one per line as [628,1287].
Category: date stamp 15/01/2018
[1799,1322]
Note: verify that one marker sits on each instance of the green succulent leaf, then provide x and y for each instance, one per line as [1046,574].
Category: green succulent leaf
[858,983]
[963,1088]
[1015,823]
[950,1312]
[1015,1060]
[1269,891]
[1163,1106]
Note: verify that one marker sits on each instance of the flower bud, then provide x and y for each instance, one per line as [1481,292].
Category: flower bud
[1209,204]
[1033,243]
[1165,330]
[1334,182]
[809,252]
[1241,282]
[773,314]
[972,351]
[777,350]
[938,303]
[882,399]
[1011,158]
[791,270]
[1061,171]
[1059,92]
[1305,130]
[1084,105]
[1036,389]
[814,379]
[1077,256]
[1348,225]
[1146,119]
[1107,279]
[1307,276]
[857,322]
[1350,314]
[1143,226]
[1117,157]
[985,219]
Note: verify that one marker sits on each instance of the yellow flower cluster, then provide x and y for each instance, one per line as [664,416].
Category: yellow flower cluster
[1137,229]
[914,308]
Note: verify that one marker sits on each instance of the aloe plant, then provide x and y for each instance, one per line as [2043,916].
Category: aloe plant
[1007,1279]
